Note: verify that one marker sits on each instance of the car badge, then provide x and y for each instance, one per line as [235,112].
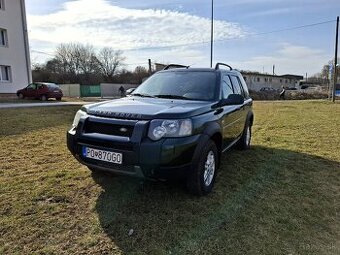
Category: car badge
[123,130]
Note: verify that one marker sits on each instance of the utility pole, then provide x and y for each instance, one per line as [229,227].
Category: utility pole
[150,69]
[212,33]
[335,59]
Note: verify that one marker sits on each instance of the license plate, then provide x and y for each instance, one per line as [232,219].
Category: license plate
[107,156]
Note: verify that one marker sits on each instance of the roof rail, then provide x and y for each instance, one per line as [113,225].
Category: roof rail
[222,64]
[173,66]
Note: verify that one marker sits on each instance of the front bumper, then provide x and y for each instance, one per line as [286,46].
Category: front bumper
[164,159]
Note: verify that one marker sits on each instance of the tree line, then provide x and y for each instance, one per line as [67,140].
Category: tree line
[325,76]
[79,63]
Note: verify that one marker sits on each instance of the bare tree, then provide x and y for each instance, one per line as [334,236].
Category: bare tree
[110,60]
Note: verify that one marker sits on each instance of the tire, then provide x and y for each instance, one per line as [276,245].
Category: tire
[245,140]
[203,173]
[58,98]
[43,98]
[21,96]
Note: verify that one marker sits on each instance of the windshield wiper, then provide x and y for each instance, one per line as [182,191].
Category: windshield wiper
[172,97]
[141,95]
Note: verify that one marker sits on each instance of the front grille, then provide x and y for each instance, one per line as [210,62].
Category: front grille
[108,129]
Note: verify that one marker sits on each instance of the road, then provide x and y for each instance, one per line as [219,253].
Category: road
[26,105]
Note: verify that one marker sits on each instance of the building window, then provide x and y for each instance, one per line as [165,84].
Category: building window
[245,78]
[280,80]
[270,79]
[258,79]
[3,37]
[265,79]
[2,4]
[5,73]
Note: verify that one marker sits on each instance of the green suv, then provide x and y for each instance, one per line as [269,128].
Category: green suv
[174,125]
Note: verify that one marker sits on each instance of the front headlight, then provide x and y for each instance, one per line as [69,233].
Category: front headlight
[169,128]
[77,118]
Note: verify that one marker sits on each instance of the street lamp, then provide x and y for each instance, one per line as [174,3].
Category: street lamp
[212,33]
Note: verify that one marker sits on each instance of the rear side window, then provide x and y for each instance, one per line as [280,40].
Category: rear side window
[244,86]
[52,87]
[237,86]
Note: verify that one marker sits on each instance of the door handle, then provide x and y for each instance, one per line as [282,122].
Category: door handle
[218,111]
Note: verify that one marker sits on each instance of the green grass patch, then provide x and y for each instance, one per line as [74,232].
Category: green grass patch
[280,197]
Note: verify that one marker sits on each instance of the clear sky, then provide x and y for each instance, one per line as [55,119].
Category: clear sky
[179,31]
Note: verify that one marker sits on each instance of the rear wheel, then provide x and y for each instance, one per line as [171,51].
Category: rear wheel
[203,174]
[43,97]
[244,142]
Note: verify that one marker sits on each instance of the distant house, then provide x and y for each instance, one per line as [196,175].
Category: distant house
[257,81]
[15,65]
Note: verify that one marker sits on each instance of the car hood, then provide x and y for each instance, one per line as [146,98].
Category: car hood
[148,108]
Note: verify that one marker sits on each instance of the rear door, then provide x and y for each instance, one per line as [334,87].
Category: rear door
[242,109]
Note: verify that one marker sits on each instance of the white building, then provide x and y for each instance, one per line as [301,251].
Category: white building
[15,64]
[258,81]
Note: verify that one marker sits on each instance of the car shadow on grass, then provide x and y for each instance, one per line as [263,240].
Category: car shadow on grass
[259,196]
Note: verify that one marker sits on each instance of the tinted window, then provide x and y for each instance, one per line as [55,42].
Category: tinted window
[52,86]
[191,85]
[227,88]
[236,85]
[32,86]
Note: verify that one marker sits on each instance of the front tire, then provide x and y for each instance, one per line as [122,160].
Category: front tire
[203,173]
[43,98]
[58,98]
[21,96]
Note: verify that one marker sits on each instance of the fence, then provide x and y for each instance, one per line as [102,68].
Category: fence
[90,91]
[113,89]
[104,90]
[70,90]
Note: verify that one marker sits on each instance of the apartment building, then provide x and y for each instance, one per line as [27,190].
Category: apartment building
[15,64]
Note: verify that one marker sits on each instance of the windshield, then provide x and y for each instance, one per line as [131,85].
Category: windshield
[179,85]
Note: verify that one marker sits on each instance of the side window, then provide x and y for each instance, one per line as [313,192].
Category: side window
[227,88]
[236,85]
[243,86]
[32,86]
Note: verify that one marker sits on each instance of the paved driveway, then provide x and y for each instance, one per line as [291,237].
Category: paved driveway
[24,105]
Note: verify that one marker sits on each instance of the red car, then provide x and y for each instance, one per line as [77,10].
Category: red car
[41,90]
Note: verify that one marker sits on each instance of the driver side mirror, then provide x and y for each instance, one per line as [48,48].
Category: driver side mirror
[233,99]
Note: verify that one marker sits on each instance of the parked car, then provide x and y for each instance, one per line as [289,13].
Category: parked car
[268,89]
[41,90]
[175,124]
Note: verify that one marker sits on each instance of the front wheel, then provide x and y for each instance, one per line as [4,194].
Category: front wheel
[203,173]
[43,98]
[58,98]
[21,96]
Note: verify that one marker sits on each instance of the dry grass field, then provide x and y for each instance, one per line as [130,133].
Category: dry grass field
[280,197]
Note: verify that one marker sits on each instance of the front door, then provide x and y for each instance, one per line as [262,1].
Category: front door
[242,112]
[31,90]
[230,114]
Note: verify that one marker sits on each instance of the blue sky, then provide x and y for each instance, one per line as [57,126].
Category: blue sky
[178,31]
